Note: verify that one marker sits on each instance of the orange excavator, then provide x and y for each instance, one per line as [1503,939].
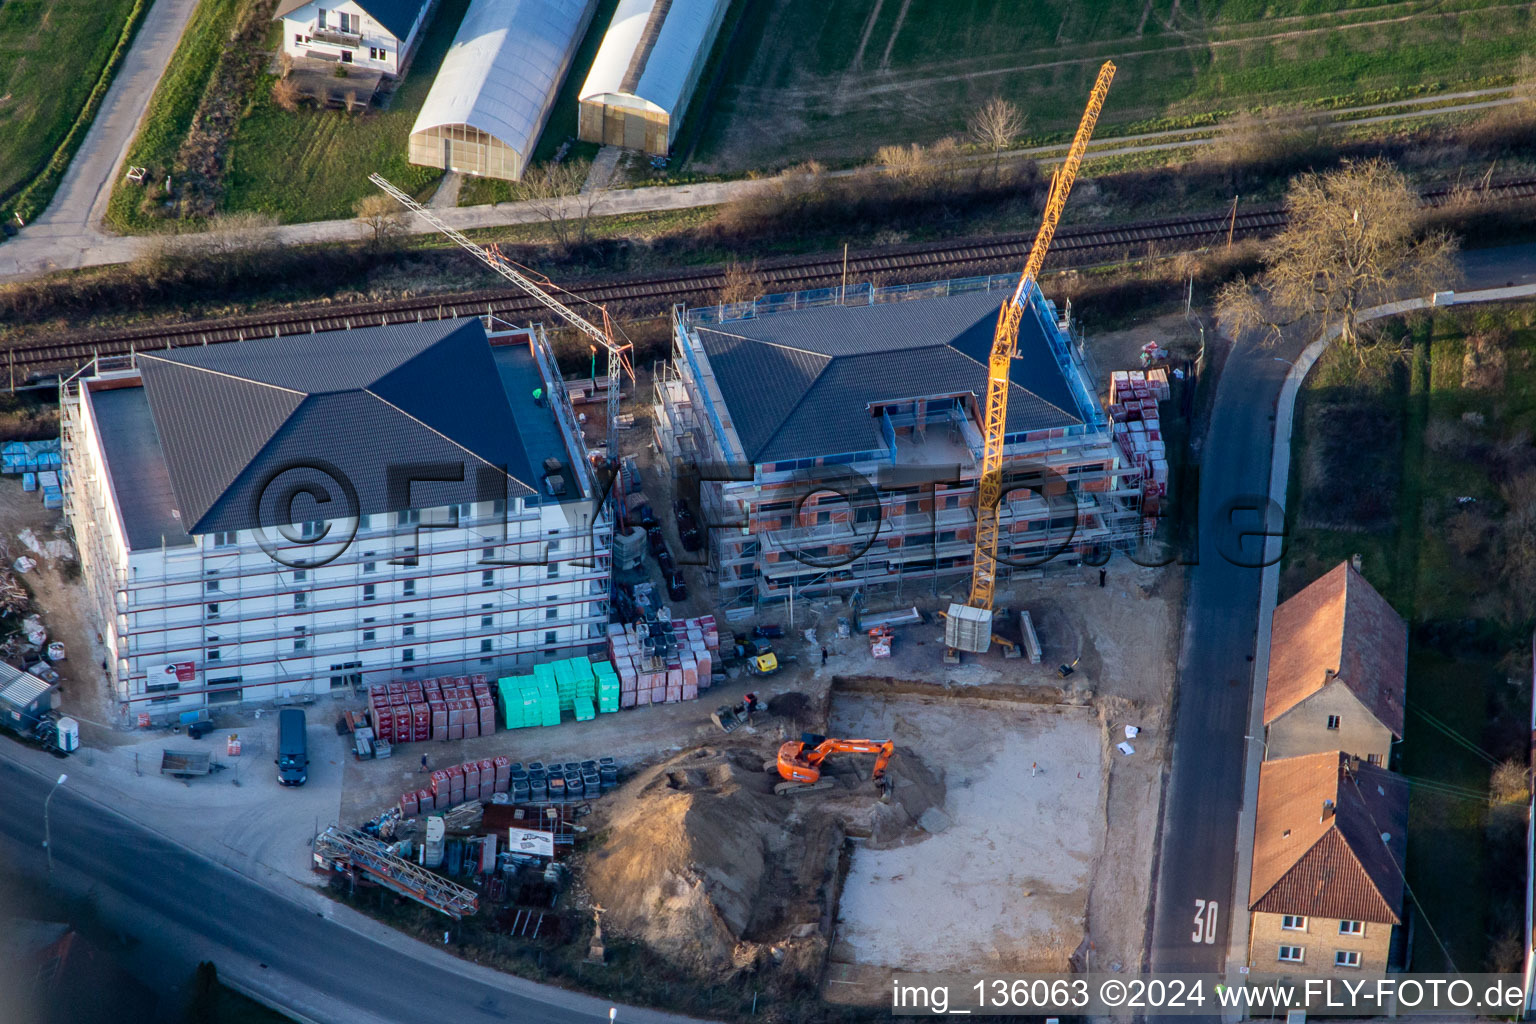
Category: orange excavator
[800,762]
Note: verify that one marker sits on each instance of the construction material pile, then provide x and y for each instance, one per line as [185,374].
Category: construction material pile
[663,661]
[472,780]
[39,463]
[576,685]
[1133,398]
[450,708]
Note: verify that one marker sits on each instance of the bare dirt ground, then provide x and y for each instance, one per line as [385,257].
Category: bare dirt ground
[1013,870]
[26,528]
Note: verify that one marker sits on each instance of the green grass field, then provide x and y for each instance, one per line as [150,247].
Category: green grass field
[1404,469]
[314,164]
[811,79]
[52,54]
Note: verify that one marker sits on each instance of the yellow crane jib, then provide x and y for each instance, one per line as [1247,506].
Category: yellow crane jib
[1005,347]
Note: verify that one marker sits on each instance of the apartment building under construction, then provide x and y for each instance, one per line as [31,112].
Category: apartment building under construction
[836,439]
[292,515]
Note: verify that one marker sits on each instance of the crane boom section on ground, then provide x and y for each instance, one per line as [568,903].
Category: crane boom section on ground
[1005,347]
[618,359]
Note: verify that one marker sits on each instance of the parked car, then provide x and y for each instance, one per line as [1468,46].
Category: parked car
[677,588]
[292,748]
[664,559]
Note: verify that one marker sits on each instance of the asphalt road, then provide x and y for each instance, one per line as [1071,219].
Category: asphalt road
[1198,849]
[284,948]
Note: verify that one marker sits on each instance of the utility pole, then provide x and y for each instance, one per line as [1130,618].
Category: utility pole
[1233,225]
[842,299]
[47,829]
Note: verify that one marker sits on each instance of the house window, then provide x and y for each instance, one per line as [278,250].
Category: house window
[299,575]
[549,638]
[499,506]
[552,570]
[365,522]
[212,611]
[368,635]
[224,540]
[1333,721]
[368,592]
[408,654]
[407,631]
[212,586]
[552,613]
[1291,954]
[299,643]
[348,22]
[485,645]
[465,510]
[312,529]
[298,38]
[409,517]
[1351,927]
[485,622]
[370,567]
[320,18]
[1346,958]
[408,588]
[213,654]
[488,578]
[487,554]
[1293,923]
[1374,759]
[377,53]
[300,601]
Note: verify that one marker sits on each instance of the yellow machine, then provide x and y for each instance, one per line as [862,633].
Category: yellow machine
[1005,348]
[763,664]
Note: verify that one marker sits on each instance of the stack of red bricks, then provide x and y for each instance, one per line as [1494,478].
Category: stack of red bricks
[449,708]
[461,783]
[1133,398]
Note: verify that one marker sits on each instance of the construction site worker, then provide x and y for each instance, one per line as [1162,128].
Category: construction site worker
[823,655]
[1102,574]
[423,762]
[538,396]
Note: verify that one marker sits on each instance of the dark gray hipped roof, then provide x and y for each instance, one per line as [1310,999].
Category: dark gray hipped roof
[798,384]
[140,480]
[373,406]
[396,15]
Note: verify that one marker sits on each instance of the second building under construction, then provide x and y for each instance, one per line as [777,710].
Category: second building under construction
[837,439]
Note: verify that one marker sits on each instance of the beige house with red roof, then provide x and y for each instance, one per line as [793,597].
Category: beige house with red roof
[1337,671]
[1327,889]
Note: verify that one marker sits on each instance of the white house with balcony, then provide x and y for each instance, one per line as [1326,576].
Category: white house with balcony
[374,34]
[298,515]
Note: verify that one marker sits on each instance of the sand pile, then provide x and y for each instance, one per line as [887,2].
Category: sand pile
[688,844]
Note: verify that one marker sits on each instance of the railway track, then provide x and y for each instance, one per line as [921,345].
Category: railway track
[652,293]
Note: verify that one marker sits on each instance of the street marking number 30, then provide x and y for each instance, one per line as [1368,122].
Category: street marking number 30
[1205,922]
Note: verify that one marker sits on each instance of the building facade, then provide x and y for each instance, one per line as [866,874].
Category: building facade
[1337,671]
[376,34]
[1327,894]
[835,440]
[297,515]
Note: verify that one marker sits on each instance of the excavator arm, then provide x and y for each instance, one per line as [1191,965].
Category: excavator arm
[801,762]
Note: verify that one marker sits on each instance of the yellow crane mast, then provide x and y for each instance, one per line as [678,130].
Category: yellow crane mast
[1005,348]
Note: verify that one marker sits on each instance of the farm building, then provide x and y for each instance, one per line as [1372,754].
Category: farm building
[858,467]
[645,72]
[297,515]
[375,35]
[497,84]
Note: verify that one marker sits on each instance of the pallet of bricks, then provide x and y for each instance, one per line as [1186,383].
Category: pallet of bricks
[663,662]
[580,686]
[472,780]
[450,708]
[1133,398]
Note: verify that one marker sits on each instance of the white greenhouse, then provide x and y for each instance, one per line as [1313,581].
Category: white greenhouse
[497,84]
[646,70]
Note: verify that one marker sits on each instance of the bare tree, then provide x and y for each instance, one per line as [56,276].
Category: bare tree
[285,93]
[742,283]
[555,193]
[384,218]
[1354,239]
[994,126]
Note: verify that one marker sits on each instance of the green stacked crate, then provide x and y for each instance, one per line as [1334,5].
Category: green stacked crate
[565,684]
[549,702]
[583,708]
[607,687]
[528,693]
[511,694]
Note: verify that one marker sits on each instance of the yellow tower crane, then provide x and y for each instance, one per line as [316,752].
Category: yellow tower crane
[1005,348]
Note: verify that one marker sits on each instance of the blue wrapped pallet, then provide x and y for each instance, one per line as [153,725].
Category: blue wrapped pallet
[29,481]
[53,497]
